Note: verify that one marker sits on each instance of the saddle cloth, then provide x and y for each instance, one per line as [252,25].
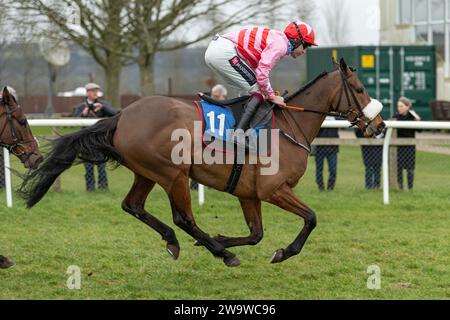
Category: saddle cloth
[217,121]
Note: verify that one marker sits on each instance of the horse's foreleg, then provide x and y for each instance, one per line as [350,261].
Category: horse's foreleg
[252,214]
[285,198]
[180,200]
[134,204]
[6,263]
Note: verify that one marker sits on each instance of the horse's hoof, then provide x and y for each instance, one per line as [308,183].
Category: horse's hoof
[278,256]
[173,250]
[6,263]
[232,262]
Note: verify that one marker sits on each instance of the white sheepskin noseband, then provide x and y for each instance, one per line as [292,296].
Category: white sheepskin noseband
[373,109]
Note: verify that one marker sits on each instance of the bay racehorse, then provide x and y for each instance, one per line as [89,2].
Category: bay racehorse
[140,139]
[16,136]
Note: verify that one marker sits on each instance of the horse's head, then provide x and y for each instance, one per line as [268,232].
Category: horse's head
[352,100]
[15,133]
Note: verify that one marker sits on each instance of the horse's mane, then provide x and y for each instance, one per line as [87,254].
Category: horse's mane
[308,85]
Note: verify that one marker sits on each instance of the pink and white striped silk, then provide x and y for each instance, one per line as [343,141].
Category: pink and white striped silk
[261,48]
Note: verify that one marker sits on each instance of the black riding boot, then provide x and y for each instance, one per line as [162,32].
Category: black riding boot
[249,111]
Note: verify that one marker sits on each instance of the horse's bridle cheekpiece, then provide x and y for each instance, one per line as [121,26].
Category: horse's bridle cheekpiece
[367,114]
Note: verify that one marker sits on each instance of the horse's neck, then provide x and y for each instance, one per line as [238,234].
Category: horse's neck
[308,122]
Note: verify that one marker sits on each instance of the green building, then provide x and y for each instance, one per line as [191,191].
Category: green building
[387,72]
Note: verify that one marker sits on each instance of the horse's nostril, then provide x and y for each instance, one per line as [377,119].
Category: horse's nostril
[381,127]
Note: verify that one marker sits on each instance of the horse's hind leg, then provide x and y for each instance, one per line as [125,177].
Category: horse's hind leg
[134,204]
[180,200]
[252,214]
[285,198]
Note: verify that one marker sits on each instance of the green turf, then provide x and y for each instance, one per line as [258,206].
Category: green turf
[120,258]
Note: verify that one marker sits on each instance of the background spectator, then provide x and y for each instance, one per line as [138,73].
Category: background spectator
[93,107]
[329,153]
[406,156]
[373,160]
[219,92]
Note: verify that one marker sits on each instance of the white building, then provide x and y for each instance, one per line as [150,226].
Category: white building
[409,22]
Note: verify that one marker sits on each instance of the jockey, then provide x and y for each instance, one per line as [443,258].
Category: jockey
[245,58]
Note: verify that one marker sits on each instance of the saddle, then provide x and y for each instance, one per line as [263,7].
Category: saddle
[262,117]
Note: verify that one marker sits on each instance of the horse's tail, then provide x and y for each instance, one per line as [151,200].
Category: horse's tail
[93,144]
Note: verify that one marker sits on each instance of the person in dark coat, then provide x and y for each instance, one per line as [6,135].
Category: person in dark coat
[406,155]
[93,107]
[373,160]
[329,153]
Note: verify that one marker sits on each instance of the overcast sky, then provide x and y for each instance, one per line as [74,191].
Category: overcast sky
[363,18]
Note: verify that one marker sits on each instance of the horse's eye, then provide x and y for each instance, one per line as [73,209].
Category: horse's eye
[23,122]
[360,90]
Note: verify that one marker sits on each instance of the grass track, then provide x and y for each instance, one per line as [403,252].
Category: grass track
[120,258]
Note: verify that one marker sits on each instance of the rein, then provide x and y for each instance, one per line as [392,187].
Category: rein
[345,88]
[331,114]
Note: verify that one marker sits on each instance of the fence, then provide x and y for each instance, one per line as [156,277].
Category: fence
[386,157]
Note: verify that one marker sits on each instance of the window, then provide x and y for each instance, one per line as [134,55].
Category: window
[447,51]
[422,34]
[421,11]
[439,39]
[431,21]
[437,10]
[405,12]
[448,10]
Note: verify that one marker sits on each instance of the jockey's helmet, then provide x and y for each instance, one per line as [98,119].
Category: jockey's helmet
[300,33]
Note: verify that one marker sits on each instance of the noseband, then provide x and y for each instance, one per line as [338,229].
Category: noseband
[16,141]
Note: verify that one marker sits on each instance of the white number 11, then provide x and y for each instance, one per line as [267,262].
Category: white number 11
[221,117]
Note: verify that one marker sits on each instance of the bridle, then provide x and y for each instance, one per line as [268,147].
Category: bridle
[352,115]
[16,141]
[358,114]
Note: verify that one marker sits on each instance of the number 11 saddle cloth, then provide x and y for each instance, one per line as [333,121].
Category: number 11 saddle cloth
[220,117]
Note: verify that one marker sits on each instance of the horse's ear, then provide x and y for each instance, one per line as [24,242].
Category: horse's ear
[8,97]
[344,67]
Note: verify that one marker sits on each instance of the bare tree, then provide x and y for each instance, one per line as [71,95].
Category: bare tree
[17,49]
[99,29]
[119,32]
[3,42]
[169,25]
[337,24]
[302,10]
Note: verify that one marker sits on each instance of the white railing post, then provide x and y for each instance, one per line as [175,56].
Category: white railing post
[428,125]
[387,143]
[8,186]
[201,194]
